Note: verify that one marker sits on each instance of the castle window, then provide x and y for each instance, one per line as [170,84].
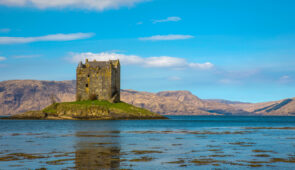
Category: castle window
[88,75]
[86,85]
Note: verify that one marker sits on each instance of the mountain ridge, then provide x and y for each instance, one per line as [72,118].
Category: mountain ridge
[17,96]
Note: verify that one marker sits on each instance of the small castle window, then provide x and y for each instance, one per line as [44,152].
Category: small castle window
[86,85]
[88,75]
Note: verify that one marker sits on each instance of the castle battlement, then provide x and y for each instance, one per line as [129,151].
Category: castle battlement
[98,80]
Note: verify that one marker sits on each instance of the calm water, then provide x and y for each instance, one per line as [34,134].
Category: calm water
[182,142]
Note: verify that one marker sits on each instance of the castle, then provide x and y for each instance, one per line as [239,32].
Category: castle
[98,80]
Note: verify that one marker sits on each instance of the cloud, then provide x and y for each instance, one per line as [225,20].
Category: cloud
[84,4]
[104,56]
[164,61]
[206,65]
[166,37]
[159,62]
[52,37]
[2,58]
[4,30]
[168,19]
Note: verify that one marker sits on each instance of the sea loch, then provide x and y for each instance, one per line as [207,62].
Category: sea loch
[181,142]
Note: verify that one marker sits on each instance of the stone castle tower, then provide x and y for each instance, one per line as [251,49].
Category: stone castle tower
[98,80]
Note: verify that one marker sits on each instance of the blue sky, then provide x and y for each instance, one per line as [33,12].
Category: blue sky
[238,50]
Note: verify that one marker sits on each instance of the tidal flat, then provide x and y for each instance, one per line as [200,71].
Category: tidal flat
[181,142]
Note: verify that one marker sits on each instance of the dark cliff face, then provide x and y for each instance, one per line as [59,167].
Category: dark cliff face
[18,96]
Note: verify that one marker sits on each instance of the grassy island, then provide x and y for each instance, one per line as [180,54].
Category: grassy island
[90,110]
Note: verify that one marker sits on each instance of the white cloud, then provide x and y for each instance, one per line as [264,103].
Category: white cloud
[104,56]
[52,37]
[164,61]
[168,19]
[206,65]
[4,30]
[160,62]
[84,4]
[166,37]
[2,58]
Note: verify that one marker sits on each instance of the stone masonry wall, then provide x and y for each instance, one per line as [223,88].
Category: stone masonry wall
[98,80]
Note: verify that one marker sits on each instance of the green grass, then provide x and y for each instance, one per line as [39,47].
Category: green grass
[102,107]
[105,104]
[121,107]
[50,109]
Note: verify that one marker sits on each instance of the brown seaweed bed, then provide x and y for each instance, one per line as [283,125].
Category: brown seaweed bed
[110,156]
[192,132]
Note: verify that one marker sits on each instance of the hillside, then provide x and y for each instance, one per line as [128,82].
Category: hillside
[280,107]
[178,103]
[17,96]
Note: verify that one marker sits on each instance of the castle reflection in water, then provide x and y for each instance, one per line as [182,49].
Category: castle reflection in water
[98,149]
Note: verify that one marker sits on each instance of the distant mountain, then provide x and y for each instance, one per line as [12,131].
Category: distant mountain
[225,101]
[280,107]
[178,103]
[18,96]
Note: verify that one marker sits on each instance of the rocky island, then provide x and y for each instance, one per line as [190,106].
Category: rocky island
[97,97]
[89,110]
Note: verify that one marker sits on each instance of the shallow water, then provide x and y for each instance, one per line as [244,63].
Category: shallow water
[194,142]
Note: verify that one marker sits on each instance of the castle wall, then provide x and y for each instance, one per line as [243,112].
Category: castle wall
[98,81]
[116,84]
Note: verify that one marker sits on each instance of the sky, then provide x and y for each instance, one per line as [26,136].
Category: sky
[236,50]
